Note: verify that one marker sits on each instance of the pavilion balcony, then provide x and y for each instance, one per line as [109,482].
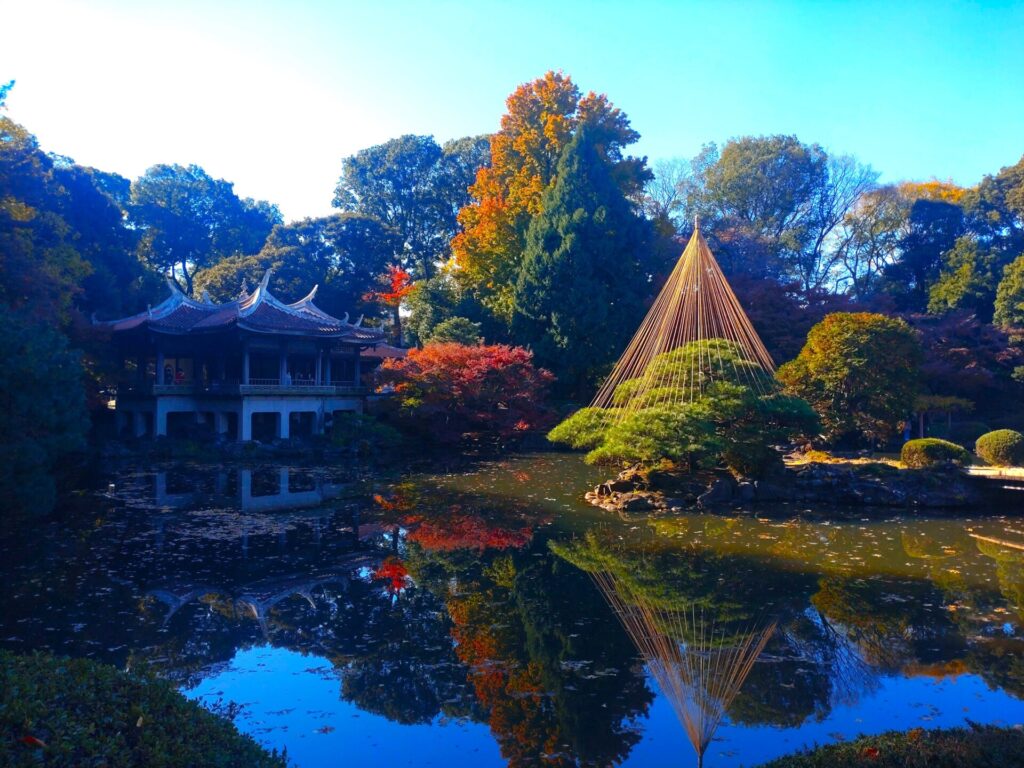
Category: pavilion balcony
[234,388]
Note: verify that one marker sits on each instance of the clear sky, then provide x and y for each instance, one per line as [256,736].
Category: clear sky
[271,95]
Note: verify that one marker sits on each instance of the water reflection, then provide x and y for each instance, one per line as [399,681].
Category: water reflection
[467,599]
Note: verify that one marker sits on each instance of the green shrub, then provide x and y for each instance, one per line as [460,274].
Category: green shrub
[928,451]
[918,748]
[57,712]
[365,433]
[456,330]
[1002,448]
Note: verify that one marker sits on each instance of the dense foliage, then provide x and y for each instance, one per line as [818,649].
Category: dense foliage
[570,302]
[42,412]
[917,748]
[543,116]
[57,712]
[700,404]
[444,391]
[929,451]
[859,371]
[1001,448]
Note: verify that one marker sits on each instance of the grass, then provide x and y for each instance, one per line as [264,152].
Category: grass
[71,712]
[973,747]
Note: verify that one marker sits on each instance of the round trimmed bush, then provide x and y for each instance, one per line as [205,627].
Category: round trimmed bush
[929,451]
[1002,448]
[56,711]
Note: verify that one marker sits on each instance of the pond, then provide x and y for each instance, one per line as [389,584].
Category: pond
[487,616]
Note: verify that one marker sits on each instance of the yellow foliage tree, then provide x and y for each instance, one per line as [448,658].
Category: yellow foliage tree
[542,117]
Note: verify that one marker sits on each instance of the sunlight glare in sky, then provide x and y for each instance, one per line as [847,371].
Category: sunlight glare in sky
[272,95]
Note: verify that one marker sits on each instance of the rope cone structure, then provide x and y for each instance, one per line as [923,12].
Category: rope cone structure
[702,675]
[696,310]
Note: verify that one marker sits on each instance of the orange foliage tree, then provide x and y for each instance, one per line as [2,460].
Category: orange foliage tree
[397,285]
[447,390]
[542,117]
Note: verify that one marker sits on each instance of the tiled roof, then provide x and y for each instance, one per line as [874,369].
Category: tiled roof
[259,312]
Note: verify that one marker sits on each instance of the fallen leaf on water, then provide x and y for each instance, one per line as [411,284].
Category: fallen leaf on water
[32,741]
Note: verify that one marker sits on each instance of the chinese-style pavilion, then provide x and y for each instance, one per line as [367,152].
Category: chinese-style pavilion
[250,366]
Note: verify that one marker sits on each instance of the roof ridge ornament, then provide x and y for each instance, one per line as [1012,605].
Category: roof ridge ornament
[244,293]
[266,280]
[206,297]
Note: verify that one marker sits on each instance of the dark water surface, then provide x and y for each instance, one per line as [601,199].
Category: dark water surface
[469,618]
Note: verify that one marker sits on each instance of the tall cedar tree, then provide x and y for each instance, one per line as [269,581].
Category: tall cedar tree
[573,305]
[542,118]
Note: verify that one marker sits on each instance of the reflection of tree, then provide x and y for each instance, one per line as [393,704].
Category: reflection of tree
[807,667]
[555,681]
[892,622]
[701,674]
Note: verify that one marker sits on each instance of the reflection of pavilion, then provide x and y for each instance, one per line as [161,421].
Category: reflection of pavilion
[287,488]
[258,598]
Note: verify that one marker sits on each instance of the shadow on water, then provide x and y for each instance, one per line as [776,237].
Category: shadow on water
[533,628]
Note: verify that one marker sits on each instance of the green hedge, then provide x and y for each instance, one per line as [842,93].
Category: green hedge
[65,712]
[1002,448]
[918,748]
[928,451]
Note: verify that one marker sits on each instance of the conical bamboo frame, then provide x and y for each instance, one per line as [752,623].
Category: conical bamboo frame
[700,676]
[695,304]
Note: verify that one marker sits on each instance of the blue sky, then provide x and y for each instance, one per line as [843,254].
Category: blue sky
[271,95]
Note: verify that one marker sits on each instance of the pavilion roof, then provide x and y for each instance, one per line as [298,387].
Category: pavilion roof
[257,312]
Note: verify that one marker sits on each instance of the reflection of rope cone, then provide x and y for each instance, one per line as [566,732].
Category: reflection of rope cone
[700,676]
[696,304]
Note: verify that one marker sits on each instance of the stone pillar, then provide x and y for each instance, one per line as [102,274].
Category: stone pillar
[245,423]
[160,419]
[318,420]
[283,425]
[245,365]
[220,422]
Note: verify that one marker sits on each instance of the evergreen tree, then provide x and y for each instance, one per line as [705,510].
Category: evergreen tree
[1009,303]
[577,297]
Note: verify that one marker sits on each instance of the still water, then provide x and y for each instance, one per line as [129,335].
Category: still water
[489,617]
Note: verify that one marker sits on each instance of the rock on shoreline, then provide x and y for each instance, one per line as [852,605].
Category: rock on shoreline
[841,484]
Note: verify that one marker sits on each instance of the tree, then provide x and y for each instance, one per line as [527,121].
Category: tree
[772,203]
[189,220]
[5,89]
[441,298]
[42,412]
[672,413]
[995,210]
[572,305]
[935,222]
[343,254]
[396,286]
[542,117]
[860,373]
[459,330]
[1009,303]
[446,390]
[415,187]
[869,240]
[968,280]
[41,270]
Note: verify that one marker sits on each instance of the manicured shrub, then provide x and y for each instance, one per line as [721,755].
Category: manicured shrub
[58,712]
[1002,448]
[701,404]
[918,748]
[930,451]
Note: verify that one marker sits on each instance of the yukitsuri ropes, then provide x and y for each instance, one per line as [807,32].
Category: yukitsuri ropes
[699,666]
[696,332]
